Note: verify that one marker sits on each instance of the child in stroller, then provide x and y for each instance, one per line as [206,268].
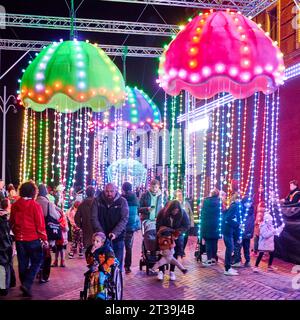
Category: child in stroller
[166,241]
[149,245]
[100,258]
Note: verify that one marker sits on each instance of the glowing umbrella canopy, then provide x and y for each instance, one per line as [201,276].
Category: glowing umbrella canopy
[130,170]
[221,52]
[68,75]
[138,109]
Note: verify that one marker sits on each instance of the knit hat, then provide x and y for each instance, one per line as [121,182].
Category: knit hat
[42,190]
[267,217]
[100,235]
[127,186]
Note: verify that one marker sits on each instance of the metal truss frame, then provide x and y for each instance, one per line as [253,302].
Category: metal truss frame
[247,7]
[112,50]
[88,25]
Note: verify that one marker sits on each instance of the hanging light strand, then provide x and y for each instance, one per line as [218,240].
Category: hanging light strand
[22,173]
[243,148]
[46,149]
[54,145]
[277,109]
[180,146]
[40,148]
[252,163]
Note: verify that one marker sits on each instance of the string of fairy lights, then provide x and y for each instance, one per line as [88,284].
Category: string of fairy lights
[221,159]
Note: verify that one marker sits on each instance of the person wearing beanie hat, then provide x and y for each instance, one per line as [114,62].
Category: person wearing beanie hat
[266,240]
[47,206]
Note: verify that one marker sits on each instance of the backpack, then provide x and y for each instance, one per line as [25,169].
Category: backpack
[53,228]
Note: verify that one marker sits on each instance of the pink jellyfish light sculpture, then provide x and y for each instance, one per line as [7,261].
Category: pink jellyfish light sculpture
[221,52]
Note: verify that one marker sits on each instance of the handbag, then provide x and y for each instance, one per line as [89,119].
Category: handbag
[52,227]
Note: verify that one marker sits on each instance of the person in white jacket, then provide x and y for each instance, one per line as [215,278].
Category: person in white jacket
[266,240]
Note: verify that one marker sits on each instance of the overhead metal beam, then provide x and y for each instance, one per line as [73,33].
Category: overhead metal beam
[247,7]
[112,50]
[88,25]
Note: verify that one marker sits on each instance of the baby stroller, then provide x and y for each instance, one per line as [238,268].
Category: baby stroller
[149,253]
[113,284]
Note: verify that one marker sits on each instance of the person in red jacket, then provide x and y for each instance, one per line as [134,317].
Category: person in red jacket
[28,225]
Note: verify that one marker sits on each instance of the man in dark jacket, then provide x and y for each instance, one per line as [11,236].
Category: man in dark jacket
[83,217]
[110,215]
[247,220]
[230,227]
[151,202]
[210,216]
[133,222]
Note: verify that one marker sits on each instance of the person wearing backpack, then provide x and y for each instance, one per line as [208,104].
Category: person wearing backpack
[52,216]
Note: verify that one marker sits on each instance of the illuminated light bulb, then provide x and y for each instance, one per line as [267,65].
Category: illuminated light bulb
[279,55]
[236,20]
[269,68]
[172,73]
[42,65]
[245,63]
[267,33]
[40,76]
[194,77]
[39,87]
[196,39]
[80,64]
[116,78]
[82,97]
[81,85]
[258,70]
[245,49]
[193,50]
[245,76]
[220,67]
[243,36]
[30,94]
[202,20]
[57,85]
[206,71]
[81,74]
[182,73]
[181,27]
[198,29]
[193,64]
[40,99]
[233,71]
[71,91]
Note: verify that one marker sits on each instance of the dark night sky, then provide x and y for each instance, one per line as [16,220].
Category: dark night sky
[140,71]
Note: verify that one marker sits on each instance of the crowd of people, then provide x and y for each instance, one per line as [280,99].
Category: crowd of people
[101,226]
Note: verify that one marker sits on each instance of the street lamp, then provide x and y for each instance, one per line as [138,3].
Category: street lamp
[5,105]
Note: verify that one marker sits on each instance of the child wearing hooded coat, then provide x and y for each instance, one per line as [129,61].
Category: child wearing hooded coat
[266,240]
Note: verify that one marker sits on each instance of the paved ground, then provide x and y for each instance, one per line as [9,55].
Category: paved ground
[199,283]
